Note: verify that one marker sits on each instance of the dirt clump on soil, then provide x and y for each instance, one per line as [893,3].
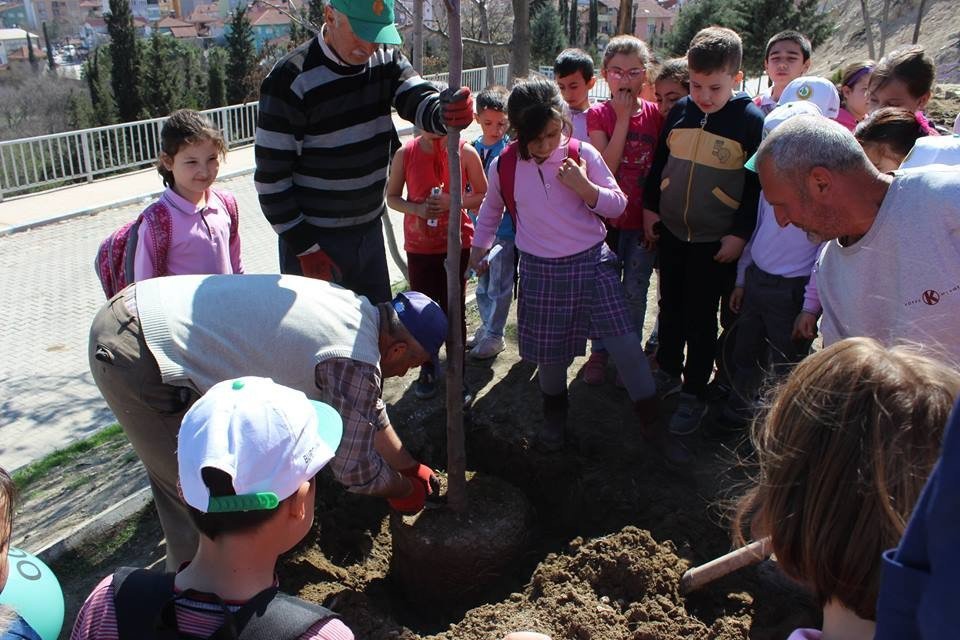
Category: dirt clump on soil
[625,585]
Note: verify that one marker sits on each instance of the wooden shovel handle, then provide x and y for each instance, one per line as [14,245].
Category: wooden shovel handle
[752,553]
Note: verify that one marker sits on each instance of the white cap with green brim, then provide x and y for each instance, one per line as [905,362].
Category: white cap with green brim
[777,117]
[268,438]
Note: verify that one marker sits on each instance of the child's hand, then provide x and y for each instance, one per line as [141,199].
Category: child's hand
[804,327]
[730,249]
[736,299]
[477,262]
[624,103]
[650,235]
[438,205]
[574,176]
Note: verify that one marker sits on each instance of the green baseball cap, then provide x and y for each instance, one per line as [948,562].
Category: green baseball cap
[371,20]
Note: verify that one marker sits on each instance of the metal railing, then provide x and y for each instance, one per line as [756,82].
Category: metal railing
[28,164]
[32,164]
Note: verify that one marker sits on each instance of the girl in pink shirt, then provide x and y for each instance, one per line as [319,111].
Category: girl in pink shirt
[854,80]
[191,228]
[569,279]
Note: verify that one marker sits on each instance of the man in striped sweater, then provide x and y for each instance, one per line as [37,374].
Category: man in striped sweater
[325,137]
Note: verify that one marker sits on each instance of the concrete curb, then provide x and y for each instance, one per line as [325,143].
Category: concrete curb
[95,525]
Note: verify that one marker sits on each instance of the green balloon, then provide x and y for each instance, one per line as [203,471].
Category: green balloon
[34,592]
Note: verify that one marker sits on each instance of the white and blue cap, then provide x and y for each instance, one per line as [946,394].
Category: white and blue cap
[268,438]
[778,116]
[813,89]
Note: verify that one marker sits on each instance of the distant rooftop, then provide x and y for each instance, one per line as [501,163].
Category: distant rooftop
[15,34]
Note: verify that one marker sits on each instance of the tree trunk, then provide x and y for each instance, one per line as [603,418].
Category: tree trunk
[624,16]
[485,34]
[456,448]
[416,54]
[520,51]
[52,64]
[868,29]
[594,22]
[916,27]
[574,25]
[883,26]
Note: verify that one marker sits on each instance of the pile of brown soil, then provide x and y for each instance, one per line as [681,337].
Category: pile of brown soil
[625,585]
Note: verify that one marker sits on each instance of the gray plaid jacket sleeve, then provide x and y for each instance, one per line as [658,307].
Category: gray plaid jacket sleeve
[354,390]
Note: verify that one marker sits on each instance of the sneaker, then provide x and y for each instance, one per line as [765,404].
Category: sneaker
[426,386]
[690,411]
[476,338]
[667,384]
[487,348]
[595,368]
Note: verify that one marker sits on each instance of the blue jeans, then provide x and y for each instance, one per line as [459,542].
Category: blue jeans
[495,290]
[637,264]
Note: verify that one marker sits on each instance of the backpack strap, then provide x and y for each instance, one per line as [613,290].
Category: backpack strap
[230,202]
[573,150]
[507,172]
[284,618]
[138,598]
[142,597]
[161,228]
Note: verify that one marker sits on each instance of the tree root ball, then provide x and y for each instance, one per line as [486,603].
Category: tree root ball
[443,557]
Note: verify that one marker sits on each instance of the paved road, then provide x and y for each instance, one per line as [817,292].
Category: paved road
[48,296]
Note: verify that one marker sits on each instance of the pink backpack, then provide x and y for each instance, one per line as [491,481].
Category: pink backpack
[114,261]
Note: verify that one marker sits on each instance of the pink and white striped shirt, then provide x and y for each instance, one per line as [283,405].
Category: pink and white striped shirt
[97,619]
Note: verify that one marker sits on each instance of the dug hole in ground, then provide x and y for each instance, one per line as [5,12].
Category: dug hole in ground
[605,531]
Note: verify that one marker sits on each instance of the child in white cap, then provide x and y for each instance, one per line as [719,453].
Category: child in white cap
[776,305]
[248,453]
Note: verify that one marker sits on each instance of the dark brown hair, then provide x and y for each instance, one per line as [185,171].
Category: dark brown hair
[182,128]
[493,97]
[674,69]
[532,105]
[213,525]
[910,65]
[796,37]
[715,49]
[571,61]
[894,127]
[844,451]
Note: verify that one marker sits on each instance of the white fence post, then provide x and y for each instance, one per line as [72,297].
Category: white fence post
[87,156]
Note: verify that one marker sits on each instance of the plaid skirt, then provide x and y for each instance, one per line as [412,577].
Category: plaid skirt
[563,301]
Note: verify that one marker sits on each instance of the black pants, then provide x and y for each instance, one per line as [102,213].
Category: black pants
[764,344]
[355,259]
[691,283]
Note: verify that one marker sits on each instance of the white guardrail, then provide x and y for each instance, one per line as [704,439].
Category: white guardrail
[30,164]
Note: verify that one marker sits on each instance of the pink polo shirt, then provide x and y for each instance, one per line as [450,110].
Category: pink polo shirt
[200,239]
[552,220]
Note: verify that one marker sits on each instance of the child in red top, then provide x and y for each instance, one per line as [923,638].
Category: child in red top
[422,166]
[625,130]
